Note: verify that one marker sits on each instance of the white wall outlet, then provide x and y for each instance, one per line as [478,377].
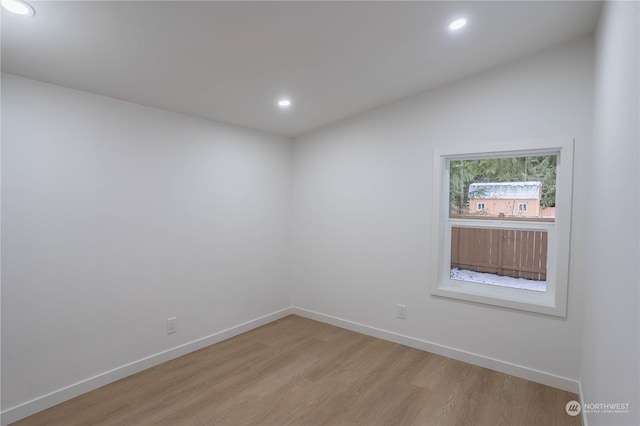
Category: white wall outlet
[402,311]
[172,325]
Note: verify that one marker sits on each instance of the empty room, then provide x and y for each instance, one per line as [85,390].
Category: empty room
[320,213]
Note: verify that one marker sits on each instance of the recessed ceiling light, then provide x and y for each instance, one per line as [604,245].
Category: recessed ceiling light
[457,24]
[284,103]
[18,7]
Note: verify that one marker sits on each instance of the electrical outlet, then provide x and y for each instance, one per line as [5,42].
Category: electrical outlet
[172,325]
[402,311]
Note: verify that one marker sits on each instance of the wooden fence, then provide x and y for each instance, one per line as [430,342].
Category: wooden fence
[507,252]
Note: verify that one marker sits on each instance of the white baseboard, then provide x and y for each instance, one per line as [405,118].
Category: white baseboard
[582,413]
[460,355]
[43,402]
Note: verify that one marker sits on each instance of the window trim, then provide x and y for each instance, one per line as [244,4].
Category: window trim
[554,300]
[483,208]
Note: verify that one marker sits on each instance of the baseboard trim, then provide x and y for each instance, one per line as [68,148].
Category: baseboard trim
[460,355]
[582,413]
[43,402]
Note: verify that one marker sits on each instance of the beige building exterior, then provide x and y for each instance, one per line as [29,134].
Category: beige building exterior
[493,207]
[508,199]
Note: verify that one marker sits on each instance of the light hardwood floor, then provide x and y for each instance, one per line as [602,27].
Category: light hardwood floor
[296,371]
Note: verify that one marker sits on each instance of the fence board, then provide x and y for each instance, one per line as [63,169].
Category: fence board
[507,252]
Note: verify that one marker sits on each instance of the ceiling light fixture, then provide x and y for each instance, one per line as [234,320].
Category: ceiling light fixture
[457,24]
[19,7]
[284,103]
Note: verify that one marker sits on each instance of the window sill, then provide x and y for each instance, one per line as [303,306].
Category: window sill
[524,300]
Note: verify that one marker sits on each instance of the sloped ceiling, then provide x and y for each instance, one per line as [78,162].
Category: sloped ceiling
[231,61]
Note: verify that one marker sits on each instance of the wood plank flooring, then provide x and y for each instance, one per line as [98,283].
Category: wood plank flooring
[296,371]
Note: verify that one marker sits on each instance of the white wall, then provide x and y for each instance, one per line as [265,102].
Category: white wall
[118,216]
[362,208]
[611,356]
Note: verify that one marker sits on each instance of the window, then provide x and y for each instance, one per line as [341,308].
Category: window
[513,249]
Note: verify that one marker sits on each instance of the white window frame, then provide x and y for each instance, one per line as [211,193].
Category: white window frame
[551,302]
[522,207]
[484,207]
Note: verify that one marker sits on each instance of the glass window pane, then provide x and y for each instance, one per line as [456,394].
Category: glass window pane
[523,187]
[504,257]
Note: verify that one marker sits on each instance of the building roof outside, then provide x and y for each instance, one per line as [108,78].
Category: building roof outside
[506,190]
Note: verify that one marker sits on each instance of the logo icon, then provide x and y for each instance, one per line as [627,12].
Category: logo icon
[573,408]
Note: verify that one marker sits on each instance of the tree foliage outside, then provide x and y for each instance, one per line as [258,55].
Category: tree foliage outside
[515,169]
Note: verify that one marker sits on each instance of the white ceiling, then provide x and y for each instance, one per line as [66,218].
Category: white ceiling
[230,61]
